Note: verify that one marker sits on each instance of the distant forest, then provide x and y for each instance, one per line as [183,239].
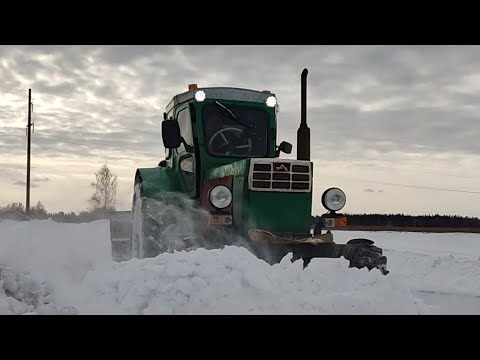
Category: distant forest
[17,211]
[401,220]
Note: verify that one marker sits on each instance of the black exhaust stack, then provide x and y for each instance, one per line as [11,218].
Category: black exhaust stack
[303,133]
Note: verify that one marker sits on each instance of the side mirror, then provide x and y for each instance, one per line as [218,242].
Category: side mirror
[162,163]
[171,134]
[286,147]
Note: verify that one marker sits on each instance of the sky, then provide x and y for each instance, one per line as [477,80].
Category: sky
[396,127]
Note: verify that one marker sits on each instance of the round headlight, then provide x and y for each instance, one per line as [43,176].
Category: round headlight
[220,196]
[200,95]
[334,199]
[271,101]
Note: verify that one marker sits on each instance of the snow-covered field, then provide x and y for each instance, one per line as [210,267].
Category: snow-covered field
[52,268]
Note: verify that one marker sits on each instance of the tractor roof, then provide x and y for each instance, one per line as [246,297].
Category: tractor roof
[223,93]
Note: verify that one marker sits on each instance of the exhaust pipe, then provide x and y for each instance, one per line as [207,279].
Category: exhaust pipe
[303,133]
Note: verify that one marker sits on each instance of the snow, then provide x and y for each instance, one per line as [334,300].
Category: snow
[442,262]
[54,268]
[53,256]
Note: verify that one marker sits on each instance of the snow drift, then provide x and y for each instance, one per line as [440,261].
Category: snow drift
[54,268]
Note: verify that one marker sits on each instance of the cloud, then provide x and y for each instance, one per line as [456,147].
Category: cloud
[391,93]
[33,181]
[41,178]
[387,104]
[24,183]
[373,190]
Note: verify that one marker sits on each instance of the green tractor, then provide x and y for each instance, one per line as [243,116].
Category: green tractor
[223,183]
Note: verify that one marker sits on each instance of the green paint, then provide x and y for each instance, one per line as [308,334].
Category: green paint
[239,191]
[156,181]
[237,168]
[209,163]
[278,212]
[281,212]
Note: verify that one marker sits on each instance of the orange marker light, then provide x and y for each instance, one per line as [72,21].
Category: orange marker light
[341,222]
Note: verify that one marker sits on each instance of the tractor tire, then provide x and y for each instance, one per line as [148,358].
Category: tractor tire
[160,226]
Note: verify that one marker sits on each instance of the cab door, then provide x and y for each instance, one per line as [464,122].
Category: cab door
[185,154]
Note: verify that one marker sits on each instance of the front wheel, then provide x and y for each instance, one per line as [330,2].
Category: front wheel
[159,226]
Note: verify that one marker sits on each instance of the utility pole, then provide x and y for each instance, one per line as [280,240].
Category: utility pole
[29,137]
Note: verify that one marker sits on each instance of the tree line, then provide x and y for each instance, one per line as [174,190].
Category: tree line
[102,203]
[401,220]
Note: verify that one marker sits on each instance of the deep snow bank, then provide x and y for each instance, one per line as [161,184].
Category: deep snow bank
[233,281]
[48,261]
[67,268]
[21,294]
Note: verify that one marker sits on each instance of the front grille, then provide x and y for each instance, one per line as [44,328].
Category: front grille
[281,176]
[300,177]
[301,168]
[262,167]
[286,176]
[261,184]
[262,176]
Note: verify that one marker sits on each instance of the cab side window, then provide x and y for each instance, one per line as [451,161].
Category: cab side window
[185,124]
[187,171]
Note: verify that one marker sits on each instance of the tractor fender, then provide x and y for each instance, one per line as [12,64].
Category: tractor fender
[156,182]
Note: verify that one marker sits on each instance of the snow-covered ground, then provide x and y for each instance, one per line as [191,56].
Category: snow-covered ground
[52,268]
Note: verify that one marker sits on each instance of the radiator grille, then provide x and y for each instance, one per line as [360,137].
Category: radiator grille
[274,175]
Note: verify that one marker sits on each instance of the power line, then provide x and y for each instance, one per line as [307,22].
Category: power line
[108,125]
[430,188]
[84,143]
[21,90]
[396,141]
[405,185]
[355,164]
[98,101]
[112,153]
[73,141]
[10,111]
[89,142]
[12,166]
[431,172]
[356,180]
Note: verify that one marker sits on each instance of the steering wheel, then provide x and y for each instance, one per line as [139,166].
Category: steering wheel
[231,145]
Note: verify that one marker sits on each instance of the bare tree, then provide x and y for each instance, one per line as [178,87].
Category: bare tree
[104,196]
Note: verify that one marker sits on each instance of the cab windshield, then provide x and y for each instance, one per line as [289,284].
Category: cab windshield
[234,130]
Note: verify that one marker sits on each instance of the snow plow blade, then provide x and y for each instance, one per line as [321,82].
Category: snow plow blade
[359,252]
[268,237]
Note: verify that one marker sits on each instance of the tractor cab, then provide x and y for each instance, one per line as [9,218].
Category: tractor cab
[228,123]
[205,128]
[222,155]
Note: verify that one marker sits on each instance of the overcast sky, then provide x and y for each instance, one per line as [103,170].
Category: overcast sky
[396,127]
